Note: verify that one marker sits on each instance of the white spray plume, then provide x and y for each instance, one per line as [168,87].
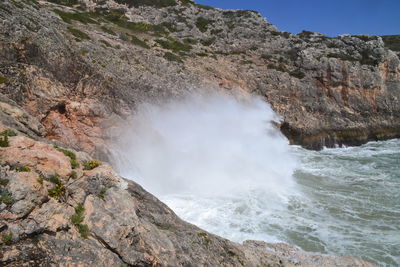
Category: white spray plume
[205,145]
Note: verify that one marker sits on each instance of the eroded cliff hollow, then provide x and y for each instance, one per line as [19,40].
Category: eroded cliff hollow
[79,67]
[58,207]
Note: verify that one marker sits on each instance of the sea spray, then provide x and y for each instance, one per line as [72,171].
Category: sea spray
[219,163]
[217,160]
[210,145]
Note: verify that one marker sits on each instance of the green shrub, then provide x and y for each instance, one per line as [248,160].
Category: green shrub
[203,23]
[4,141]
[205,239]
[71,155]
[298,74]
[185,2]
[7,238]
[78,217]
[138,42]
[153,3]
[367,60]
[305,34]
[267,57]
[102,193]
[22,169]
[67,17]
[6,197]
[5,9]
[8,132]
[4,182]
[74,163]
[122,21]
[123,37]
[73,175]
[172,57]
[91,164]
[78,34]
[79,209]
[202,54]
[3,79]
[174,45]
[365,38]
[216,31]
[55,179]
[83,229]
[190,41]
[204,7]
[246,62]
[40,179]
[65,2]
[169,25]
[237,52]
[342,56]
[108,30]
[208,42]
[280,68]
[392,42]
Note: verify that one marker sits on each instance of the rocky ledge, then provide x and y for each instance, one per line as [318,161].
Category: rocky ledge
[61,208]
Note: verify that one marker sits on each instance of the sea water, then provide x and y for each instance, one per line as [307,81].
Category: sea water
[220,164]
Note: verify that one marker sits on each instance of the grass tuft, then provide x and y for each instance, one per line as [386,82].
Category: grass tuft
[73,175]
[8,132]
[77,219]
[6,197]
[102,193]
[4,80]
[7,238]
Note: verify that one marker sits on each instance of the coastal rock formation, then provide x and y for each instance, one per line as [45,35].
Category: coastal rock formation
[59,208]
[80,67]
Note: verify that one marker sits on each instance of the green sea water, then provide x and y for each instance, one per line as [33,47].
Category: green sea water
[346,202]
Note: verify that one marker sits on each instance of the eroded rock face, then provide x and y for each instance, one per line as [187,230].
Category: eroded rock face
[126,226]
[81,74]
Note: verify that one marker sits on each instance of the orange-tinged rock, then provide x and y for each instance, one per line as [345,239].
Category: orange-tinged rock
[44,158]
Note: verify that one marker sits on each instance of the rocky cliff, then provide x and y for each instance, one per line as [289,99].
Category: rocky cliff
[58,207]
[80,67]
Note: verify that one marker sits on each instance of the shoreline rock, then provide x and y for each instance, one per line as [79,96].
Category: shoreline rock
[102,219]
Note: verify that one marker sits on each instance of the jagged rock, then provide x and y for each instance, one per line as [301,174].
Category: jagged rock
[126,225]
[12,115]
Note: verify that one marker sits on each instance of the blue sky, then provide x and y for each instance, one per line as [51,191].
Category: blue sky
[331,17]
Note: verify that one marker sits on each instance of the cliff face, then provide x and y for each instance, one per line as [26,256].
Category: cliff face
[78,68]
[59,208]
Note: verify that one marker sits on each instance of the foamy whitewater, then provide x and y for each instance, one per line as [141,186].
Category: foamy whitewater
[220,163]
